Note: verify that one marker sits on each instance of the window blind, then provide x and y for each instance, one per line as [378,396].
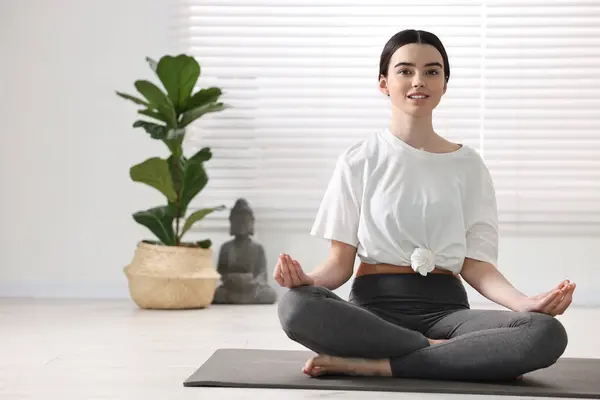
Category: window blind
[301,80]
[540,135]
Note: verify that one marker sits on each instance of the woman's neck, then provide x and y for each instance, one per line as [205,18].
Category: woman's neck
[415,131]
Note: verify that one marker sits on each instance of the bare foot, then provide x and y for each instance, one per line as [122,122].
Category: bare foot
[324,364]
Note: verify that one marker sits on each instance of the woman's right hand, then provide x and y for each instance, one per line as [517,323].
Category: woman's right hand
[288,273]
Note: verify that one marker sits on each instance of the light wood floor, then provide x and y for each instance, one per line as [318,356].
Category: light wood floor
[82,349]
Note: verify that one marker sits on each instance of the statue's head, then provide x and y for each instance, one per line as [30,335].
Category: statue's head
[241,219]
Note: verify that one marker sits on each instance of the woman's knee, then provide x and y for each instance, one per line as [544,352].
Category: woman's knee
[296,305]
[550,337]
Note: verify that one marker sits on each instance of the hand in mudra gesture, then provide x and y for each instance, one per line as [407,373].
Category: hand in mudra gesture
[288,273]
[554,302]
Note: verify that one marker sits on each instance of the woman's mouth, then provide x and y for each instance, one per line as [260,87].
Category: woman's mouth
[418,96]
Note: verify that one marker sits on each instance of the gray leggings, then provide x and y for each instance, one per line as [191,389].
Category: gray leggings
[391,317]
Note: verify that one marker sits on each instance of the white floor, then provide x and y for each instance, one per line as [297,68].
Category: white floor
[81,349]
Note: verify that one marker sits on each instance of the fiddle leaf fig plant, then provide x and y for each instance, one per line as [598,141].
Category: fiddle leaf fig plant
[169,110]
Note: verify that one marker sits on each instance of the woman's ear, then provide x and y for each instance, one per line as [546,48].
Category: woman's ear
[383,86]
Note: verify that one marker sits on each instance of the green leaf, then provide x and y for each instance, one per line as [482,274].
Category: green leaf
[152,63]
[134,99]
[191,115]
[156,131]
[203,97]
[155,173]
[159,221]
[203,155]
[154,114]
[171,137]
[198,216]
[194,177]
[158,100]
[205,244]
[178,75]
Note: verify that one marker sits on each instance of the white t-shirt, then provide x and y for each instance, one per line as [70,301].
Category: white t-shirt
[404,206]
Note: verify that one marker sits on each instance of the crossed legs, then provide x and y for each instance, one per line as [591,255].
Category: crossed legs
[480,345]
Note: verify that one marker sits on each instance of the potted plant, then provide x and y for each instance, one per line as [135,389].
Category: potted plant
[169,273]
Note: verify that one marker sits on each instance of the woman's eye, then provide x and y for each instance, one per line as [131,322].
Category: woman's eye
[406,71]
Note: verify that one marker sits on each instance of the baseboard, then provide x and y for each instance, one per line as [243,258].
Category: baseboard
[76,290]
[119,290]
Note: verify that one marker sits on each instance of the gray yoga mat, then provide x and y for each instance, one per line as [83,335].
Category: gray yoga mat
[282,369]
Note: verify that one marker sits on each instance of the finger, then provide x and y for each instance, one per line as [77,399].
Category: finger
[304,278]
[296,277]
[542,295]
[567,289]
[548,309]
[554,307]
[563,305]
[544,301]
[558,287]
[285,272]
[277,273]
[565,302]
[278,279]
[547,298]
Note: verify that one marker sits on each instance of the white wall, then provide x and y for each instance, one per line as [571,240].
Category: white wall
[67,145]
[67,141]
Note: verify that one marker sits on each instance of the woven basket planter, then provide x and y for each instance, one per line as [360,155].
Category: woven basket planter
[171,277]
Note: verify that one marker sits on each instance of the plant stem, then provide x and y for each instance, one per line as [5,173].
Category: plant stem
[176,160]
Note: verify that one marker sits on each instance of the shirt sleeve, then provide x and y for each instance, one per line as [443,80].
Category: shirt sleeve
[482,220]
[338,214]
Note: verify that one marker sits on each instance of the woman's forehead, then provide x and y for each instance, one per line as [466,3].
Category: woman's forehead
[416,53]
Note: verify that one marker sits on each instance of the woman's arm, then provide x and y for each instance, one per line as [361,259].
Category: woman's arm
[490,283]
[338,268]
[331,274]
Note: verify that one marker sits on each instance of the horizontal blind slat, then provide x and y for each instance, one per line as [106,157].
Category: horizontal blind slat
[301,79]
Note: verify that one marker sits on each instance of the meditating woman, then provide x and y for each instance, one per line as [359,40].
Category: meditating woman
[420,213]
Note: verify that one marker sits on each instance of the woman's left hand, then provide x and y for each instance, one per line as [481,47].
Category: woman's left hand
[553,302]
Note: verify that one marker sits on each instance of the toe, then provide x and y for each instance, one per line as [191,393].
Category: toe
[308,366]
[316,366]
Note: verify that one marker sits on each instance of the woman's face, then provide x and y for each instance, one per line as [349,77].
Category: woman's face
[415,68]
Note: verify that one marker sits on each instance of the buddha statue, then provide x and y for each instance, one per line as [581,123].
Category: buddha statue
[242,263]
